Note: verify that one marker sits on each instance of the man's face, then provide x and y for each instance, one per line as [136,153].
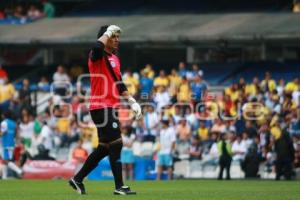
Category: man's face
[113,42]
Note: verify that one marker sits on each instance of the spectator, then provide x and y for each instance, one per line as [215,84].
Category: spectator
[239,150]
[294,128]
[292,86]
[296,6]
[184,92]
[64,127]
[251,163]
[79,155]
[49,9]
[3,75]
[218,127]
[191,118]
[131,83]
[253,88]
[199,89]
[203,131]
[296,96]
[146,85]
[183,130]
[175,82]
[7,93]
[242,84]
[194,150]
[127,157]
[151,122]
[60,75]
[61,80]
[149,71]
[25,94]
[280,87]
[182,70]
[75,104]
[46,136]
[75,72]
[250,129]
[34,13]
[9,12]
[167,139]
[2,16]
[43,154]
[8,134]
[44,85]
[161,81]
[124,114]
[225,152]
[161,98]
[19,14]
[297,154]
[233,92]
[285,156]
[268,84]
[26,131]
[191,76]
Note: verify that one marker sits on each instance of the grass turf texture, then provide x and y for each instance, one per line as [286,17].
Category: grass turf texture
[165,190]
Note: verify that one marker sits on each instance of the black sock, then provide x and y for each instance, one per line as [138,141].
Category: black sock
[91,163]
[115,163]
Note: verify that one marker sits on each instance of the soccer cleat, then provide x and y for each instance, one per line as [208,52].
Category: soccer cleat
[79,187]
[124,190]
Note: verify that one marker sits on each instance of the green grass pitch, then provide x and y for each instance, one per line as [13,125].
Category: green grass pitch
[165,190]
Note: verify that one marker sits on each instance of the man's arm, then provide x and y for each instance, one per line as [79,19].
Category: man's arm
[3,128]
[98,49]
[133,103]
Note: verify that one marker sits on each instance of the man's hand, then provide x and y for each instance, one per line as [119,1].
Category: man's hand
[112,30]
[135,107]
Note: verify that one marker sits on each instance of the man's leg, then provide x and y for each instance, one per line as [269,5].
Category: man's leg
[170,166]
[130,171]
[92,161]
[278,169]
[124,171]
[115,148]
[221,172]
[170,173]
[288,170]
[228,170]
[4,171]
[15,168]
[159,171]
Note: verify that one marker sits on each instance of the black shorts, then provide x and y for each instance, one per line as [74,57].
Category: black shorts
[107,123]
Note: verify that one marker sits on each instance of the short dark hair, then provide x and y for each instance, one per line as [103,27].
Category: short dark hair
[102,31]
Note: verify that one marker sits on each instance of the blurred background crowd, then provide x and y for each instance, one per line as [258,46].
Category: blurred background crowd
[23,13]
[258,121]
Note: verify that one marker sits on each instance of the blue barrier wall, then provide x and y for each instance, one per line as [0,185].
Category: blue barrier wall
[143,170]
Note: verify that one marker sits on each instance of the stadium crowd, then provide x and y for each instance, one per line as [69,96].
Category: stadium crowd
[22,14]
[249,123]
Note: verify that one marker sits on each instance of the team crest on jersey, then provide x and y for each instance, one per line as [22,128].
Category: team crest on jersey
[115,125]
[112,63]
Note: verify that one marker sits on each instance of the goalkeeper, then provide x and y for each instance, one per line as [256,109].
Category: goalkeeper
[106,90]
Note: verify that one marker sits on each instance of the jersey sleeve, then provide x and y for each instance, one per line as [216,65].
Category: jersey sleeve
[122,87]
[97,51]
